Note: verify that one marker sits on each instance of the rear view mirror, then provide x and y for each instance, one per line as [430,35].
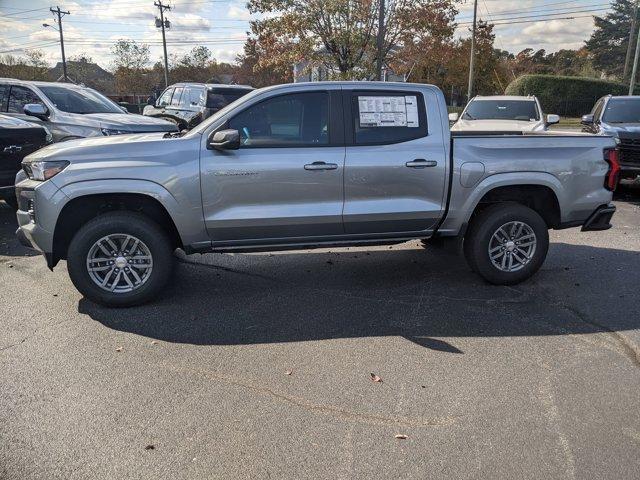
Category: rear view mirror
[587,119]
[224,140]
[453,117]
[36,110]
[553,119]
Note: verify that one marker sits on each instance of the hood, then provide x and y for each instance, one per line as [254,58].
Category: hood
[496,125]
[128,122]
[98,147]
[615,128]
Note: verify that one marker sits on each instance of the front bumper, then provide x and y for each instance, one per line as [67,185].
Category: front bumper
[600,219]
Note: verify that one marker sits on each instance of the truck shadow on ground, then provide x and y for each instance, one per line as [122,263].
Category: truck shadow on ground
[412,293]
[9,245]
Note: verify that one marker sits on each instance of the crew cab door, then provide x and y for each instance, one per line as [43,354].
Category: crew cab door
[286,179]
[396,162]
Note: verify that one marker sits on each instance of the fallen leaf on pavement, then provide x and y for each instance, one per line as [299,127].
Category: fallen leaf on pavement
[375,378]
[150,447]
[119,349]
[153,342]
[401,436]
[288,372]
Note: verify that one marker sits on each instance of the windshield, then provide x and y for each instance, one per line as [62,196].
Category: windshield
[523,110]
[76,100]
[622,110]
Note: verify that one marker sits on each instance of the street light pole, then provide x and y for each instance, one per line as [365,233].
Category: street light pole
[164,40]
[632,30]
[60,14]
[380,40]
[473,50]
[632,82]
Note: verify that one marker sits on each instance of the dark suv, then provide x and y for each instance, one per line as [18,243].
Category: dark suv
[187,104]
[618,117]
[17,139]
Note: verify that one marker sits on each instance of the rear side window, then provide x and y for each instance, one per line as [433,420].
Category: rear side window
[175,100]
[21,96]
[4,97]
[381,118]
[218,98]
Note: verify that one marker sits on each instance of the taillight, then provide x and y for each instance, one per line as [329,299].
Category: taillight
[612,157]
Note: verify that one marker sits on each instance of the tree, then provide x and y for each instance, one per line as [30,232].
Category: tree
[130,60]
[251,72]
[30,67]
[608,43]
[341,34]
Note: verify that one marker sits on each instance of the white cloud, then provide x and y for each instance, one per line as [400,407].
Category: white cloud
[238,13]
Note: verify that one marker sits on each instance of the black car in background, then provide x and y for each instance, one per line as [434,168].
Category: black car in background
[187,104]
[618,117]
[17,140]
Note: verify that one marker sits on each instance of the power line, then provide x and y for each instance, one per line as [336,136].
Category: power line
[550,16]
[537,9]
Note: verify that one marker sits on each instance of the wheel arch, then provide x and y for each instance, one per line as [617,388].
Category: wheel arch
[86,200]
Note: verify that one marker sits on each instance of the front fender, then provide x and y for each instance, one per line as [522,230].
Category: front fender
[186,217]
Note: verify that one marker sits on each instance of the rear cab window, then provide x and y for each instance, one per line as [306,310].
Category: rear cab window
[218,98]
[4,97]
[175,100]
[386,117]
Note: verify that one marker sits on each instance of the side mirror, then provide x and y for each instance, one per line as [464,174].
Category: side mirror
[224,140]
[36,110]
[553,119]
[587,119]
[453,117]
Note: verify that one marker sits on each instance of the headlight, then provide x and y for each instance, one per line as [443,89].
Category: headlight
[44,170]
[109,131]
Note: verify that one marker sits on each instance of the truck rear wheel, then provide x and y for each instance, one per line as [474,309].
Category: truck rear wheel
[120,259]
[506,243]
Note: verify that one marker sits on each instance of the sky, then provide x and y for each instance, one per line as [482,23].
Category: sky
[93,26]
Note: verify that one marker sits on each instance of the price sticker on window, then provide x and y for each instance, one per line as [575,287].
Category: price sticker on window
[391,111]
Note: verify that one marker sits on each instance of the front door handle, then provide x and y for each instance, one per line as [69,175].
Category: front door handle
[421,163]
[320,166]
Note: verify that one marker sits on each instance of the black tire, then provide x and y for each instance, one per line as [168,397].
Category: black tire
[137,225]
[479,236]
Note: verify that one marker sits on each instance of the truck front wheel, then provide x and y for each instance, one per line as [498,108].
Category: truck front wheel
[120,259]
[506,243]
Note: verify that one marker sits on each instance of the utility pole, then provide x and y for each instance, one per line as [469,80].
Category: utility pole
[164,23]
[632,82]
[61,14]
[632,30]
[380,40]
[472,60]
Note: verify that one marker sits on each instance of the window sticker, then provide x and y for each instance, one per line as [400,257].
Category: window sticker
[393,111]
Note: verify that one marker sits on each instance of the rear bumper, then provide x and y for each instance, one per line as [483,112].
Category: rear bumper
[599,219]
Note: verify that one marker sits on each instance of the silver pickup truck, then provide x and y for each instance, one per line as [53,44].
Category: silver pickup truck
[303,166]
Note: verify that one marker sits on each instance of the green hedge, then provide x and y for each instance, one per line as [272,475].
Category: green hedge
[567,96]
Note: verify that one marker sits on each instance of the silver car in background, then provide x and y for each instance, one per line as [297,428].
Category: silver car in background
[71,111]
[508,114]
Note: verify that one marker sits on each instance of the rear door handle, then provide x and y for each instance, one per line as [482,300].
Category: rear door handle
[320,166]
[421,163]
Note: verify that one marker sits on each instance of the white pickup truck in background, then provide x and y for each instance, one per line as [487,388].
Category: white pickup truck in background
[506,114]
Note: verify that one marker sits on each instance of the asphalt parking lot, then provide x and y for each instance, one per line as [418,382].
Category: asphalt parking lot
[259,366]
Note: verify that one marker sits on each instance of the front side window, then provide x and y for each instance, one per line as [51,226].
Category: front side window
[75,100]
[384,118]
[526,111]
[21,96]
[165,98]
[622,110]
[299,119]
